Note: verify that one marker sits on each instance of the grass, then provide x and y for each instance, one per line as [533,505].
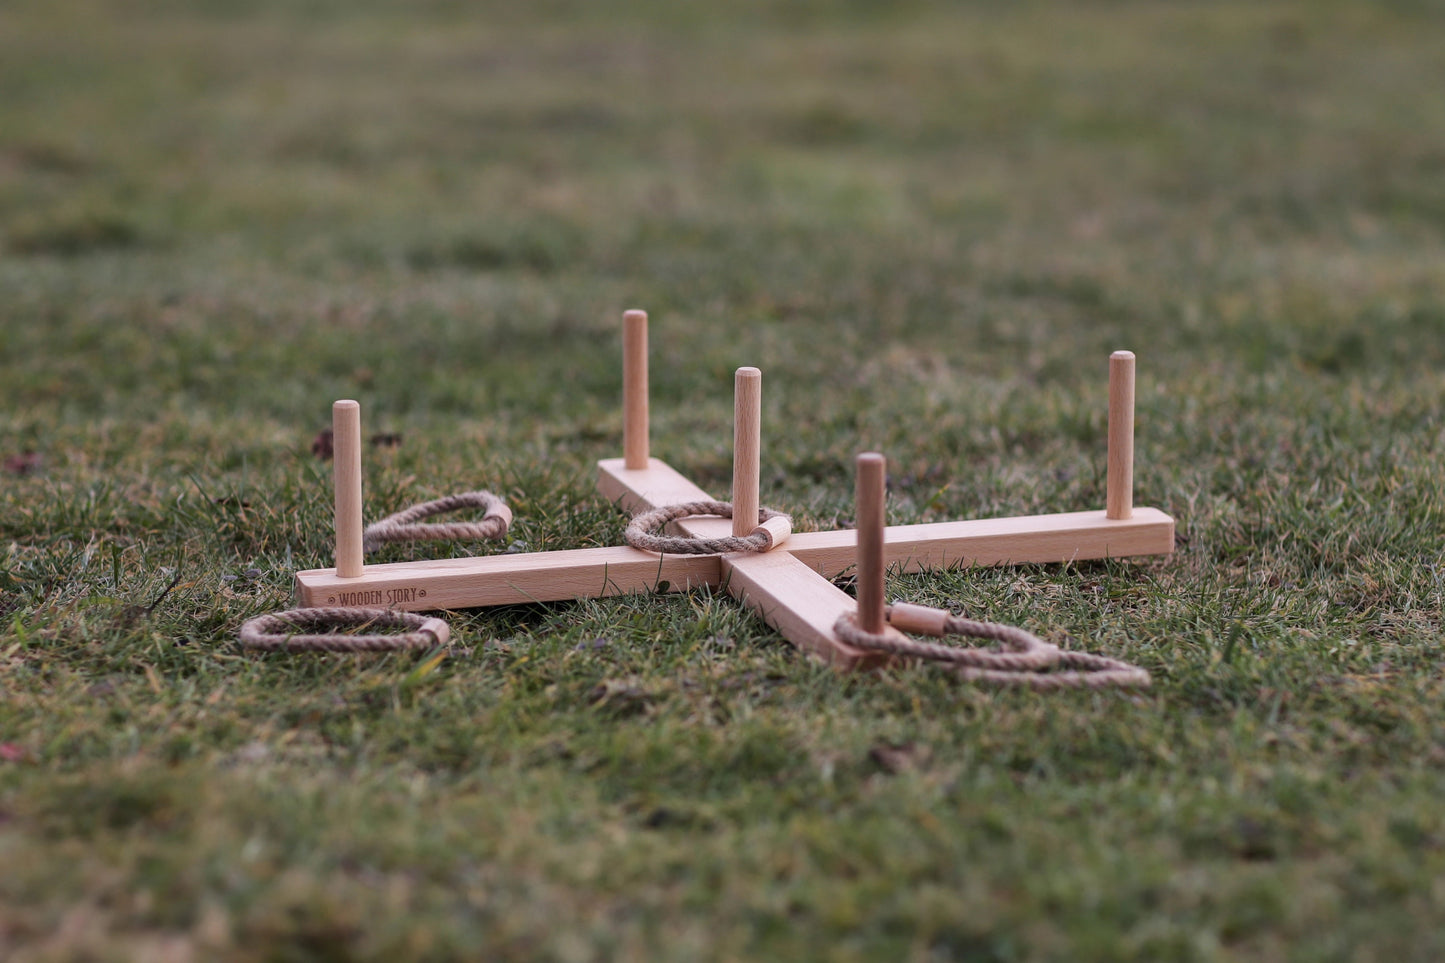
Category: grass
[928,224]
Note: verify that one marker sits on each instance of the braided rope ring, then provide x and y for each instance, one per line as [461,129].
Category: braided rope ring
[1024,666]
[404,525]
[1027,652]
[287,631]
[642,531]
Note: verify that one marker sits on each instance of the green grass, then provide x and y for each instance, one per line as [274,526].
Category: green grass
[928,224]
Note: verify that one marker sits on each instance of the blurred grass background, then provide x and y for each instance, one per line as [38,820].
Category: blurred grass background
[928,223]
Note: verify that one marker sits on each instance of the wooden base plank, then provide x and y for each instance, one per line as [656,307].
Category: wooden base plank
[1065,537]
[787,593]
[800,603]
[459,583]
[1061,537]
[637,490]
[789,587]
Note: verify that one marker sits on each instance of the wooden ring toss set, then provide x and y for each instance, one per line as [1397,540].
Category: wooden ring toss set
[784,576]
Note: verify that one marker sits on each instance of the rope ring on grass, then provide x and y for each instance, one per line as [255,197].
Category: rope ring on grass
[292,631]
[642,531]
[1031,662]
[404,525]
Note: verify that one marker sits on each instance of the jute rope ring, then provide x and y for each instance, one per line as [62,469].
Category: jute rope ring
[1031,662]
[404,526]
[643,531]
[295,629]
[291,631]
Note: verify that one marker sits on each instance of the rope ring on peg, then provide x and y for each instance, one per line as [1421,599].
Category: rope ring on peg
[291,631]
[1028,663]
[642,531]
[1026,651]
[404,525]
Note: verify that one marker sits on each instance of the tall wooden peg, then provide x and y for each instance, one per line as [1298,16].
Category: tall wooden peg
[747,454]
[1120,496]
[872,470]
[346,449]
[634,390]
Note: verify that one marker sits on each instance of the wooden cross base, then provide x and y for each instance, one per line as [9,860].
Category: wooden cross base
[789,586]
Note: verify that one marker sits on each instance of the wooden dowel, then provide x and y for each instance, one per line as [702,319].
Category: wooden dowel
[1120,495]
[634,390]
[918,619]
[872,469]
[747,439]
[778,529]
[346,450]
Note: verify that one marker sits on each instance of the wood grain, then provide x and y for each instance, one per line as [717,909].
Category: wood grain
[635,427]
[346,466]
[1059,537]
[461,583]
[747,453]
[790,587]
[1119,496]
[871,513]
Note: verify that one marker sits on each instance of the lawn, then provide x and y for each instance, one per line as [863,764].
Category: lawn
[929,224]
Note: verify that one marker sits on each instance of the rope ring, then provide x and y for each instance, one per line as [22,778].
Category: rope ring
[642,531]
[1024,666]
[403,526]
[1027,652]
[288,631]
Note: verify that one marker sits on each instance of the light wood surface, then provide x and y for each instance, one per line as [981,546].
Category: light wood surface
[747,453]
[438,628]
[460,583]
[634,389]
[790,587]
[1060,537]
[786,593]
[1066,537]
[1119,502]
[346,464]
[871,517]
[801,604]
[637,490]
[918,619]
[778,529]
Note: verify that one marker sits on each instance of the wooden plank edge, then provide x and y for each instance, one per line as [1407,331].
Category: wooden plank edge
[1038,539]
[508,579]
[800,604]
[636,490]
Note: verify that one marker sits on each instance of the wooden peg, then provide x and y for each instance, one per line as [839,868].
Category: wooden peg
[872,470]
[777,529]
[1120,494]
[918,619]
[747,440]
[346,460]
[634,390]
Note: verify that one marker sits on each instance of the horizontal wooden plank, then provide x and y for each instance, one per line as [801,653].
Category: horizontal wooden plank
[638,490]
[789,586]
[1065,537]
[787,593]
[797,601]
[1060,537]
[459,583]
